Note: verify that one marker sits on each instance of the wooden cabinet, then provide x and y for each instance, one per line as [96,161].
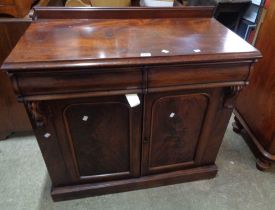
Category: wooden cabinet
[183,68]
[255,110]
[15,8]
[12,114]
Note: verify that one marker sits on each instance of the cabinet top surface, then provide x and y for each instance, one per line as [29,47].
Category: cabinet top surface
[123,42]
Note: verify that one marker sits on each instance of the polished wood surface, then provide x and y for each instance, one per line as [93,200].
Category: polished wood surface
[118,152]
[92,140]
[121,13]
[173,130]
[15,8]
[256,105]
[12,114]
[115,42]
[33,83]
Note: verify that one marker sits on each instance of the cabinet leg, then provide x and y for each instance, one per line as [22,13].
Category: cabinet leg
[263,164]
[4,135]
[237,126]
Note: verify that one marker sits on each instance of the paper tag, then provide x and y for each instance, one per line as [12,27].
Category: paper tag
[147,54]
[165,51]
[85,118]
[172,115]
[133,99]
[197,50]
[47,135]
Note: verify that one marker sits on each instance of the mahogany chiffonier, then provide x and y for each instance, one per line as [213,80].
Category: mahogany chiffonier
[128,98]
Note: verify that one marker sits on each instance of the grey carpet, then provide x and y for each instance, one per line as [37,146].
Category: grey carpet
[25,185]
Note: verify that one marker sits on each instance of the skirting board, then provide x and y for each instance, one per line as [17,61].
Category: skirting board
[94,189]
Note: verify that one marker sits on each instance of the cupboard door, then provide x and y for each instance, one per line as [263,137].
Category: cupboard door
[104,135]
[173,126]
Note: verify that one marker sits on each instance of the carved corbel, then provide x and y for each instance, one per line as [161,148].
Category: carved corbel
[231,94]
[36,113]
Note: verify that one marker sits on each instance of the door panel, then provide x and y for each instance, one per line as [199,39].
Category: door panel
[175,122]
[104,137]
[100,134]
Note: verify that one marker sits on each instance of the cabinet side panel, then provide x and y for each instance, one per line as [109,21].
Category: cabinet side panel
[42,118]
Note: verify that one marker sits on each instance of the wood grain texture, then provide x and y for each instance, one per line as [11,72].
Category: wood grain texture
[15,8]
[193,74]
[116,148]
[97,43]
[6,2]
[72,81]
[122,13]
[256,105]
[92,136]
[176,124]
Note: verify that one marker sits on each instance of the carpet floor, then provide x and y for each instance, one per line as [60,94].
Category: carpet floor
[25,185]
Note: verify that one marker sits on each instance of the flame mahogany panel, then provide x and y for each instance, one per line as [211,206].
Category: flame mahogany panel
[176,123]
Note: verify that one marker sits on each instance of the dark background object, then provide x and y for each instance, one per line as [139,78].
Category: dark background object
[229,13]
[202,2]
[249,23]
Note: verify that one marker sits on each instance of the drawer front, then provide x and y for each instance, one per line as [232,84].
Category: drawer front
[56,83]
[6,2]
[197,74]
